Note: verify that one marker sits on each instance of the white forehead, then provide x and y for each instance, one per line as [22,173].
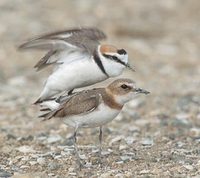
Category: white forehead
[128,83]
[116,54]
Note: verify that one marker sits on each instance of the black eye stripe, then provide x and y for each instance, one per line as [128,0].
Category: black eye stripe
[121,51]
[114,58]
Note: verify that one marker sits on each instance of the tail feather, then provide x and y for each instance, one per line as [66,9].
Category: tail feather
[38,101]
[48,115]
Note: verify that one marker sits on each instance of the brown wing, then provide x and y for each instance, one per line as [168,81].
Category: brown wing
[84,39]
[73,38]
[80,104]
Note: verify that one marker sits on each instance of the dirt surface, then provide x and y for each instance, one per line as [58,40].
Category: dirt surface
[154,136]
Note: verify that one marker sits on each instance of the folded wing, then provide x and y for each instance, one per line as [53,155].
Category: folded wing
[76,105]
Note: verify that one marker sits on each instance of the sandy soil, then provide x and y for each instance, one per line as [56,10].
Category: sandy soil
[154,136]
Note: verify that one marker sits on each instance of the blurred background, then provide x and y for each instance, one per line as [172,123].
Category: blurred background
[162,131]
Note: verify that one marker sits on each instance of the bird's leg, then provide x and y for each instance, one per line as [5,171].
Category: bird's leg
[100,145]
[78,159]
[100,140]
[58,99]
[70,91]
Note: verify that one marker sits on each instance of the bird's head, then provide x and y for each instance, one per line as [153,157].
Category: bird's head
[113,54]
[124,90]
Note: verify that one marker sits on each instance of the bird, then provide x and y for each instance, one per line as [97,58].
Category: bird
[92,108]
[78,58]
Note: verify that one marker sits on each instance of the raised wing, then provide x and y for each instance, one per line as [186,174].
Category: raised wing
[62,43]
[80,104]
[73,38]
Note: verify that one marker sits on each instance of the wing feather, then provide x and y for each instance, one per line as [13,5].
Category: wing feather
[64,39]
[80,104]
[78,39]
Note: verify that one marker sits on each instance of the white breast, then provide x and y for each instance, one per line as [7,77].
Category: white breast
[102,115]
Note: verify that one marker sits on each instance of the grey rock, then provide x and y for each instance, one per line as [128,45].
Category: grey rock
[25,149]
[182,121]
[28,138]
[53,165]
[188,167]
[123,147]
[145,171]
[54,138]
[41,161]
[116,139]
[104,152]
[125,158]
[147,142]
[129,140]
[194,132]
[4,173]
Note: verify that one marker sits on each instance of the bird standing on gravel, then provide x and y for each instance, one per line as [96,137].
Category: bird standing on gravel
[92,108]
[79,60]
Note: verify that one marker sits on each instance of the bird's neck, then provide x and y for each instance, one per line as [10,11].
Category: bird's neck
[110,100]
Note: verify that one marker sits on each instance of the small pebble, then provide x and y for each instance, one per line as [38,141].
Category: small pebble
[147,142]
[194,132]
[116,139]
[129,140]
[123,147]
[54,138]
[24,167]
[53,166]
[41,161]
[25,149]
[33,163]
[125,158]
[105,152]
[188,167]
[145,171]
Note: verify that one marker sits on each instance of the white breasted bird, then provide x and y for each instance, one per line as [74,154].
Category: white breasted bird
[79,60]
[92,108]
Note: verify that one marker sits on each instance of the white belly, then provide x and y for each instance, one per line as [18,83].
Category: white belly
[76,74]
[102,115]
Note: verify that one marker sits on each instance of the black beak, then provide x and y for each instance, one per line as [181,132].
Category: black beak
[140,90]
[129,67]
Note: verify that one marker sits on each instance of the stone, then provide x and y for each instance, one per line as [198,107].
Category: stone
[41,161]
[25,149]
[53,165]
[145,171]
[194,132]
[129,140]
[4,174]
[188,167]
[116,139]
[125,158]
[147,142]
[54,138]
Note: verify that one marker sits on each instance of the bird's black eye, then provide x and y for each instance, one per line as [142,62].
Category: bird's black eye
[124,86]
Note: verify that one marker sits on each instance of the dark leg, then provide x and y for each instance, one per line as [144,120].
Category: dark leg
[100,140]
[70,92]
[58,99]
[78,159]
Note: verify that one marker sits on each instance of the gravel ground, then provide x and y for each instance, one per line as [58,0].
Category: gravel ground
[154,136]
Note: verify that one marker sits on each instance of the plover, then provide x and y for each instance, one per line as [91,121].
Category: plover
[79,59]
[93,108]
